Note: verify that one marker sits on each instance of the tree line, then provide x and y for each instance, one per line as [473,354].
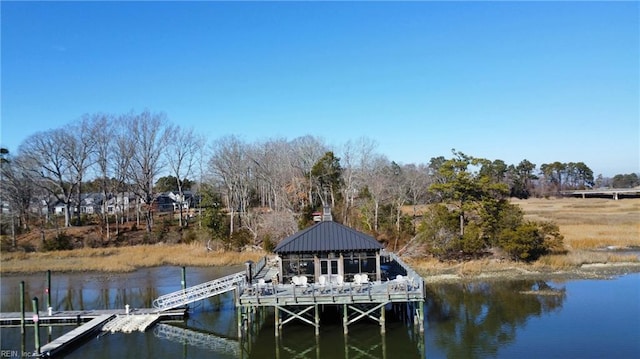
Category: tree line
[269,188]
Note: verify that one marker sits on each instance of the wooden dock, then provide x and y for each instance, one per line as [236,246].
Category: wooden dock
[82,316]
[73,337]
[92,321]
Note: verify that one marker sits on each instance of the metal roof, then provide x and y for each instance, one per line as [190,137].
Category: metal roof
[327,236]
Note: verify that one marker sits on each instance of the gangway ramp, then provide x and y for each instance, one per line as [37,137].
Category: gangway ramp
[198,292]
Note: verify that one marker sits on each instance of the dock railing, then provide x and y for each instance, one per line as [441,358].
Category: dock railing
[200,291]
[413,276]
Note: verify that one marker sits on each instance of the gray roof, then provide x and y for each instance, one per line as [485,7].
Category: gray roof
[327,236]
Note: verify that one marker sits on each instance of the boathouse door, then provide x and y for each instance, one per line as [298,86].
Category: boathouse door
[329,267]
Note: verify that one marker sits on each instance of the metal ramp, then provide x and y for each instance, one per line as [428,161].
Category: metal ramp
[199,292]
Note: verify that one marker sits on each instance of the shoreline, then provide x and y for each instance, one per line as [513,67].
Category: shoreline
[128,259]
[602,271]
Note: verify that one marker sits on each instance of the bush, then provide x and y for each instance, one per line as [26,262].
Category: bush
[526,242]
[240,238]
[189,236]
[62,241]
[268,244]
[439,230]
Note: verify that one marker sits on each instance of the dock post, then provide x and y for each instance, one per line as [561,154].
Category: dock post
[22,324]
[345,319]
[382,320]
[36,324]
[277,320]
[317,321]
[184,278]
[48,290]
[421,316]
[239,320]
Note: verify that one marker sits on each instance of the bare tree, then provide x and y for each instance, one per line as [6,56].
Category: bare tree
[376,174]
[103,136]
[181,152]
[122,148]
[17,190]
[354,157]
[418,182]
[149,136]
[232,169]
[307,150]
[79,148]
[49,166]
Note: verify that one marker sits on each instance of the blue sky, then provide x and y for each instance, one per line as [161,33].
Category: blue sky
[543,81]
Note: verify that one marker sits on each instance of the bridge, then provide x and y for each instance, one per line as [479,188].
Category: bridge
[615,193]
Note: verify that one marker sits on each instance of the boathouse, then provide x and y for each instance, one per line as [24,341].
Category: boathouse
[329,252]
[331,265]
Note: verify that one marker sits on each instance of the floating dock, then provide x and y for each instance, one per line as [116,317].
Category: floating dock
[90,321]
[67,317]
[64,342]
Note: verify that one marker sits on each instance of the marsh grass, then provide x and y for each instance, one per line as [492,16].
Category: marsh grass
[591,223]
[122,259]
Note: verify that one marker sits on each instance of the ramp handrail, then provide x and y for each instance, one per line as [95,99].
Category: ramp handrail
[199,292]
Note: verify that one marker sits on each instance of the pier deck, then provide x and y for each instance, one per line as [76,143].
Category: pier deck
[270,294]
[83,316]
[73,337]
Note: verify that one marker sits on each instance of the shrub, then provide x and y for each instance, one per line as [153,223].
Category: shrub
[62,241]
[526,242]
[240,238]
[268,244]
[189,236]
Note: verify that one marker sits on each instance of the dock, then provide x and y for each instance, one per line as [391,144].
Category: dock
[75,336]
[91,321]
[82,316]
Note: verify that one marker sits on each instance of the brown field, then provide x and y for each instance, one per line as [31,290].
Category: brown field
[591,223]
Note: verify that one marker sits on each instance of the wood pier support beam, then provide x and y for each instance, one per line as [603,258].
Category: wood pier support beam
[345,319]
[383,328]
[277,321]
[317,323]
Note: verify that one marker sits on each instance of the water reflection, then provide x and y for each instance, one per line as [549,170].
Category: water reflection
[468,320]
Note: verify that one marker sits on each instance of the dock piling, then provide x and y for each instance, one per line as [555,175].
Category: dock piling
[36,324]
[184,278]
[22,323]
[48,289]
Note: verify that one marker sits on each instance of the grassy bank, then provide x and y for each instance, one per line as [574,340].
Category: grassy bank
[595,232]
[121,259]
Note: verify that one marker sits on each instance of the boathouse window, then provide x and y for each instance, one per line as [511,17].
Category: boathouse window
[298,265]
[359,262]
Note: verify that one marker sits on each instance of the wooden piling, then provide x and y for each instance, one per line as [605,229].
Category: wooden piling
[22,321]
[36,324]
[48,289]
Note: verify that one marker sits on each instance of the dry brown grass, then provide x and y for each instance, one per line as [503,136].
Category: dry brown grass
[591,223]
[121,259]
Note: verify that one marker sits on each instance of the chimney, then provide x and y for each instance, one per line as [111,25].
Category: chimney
[326,214]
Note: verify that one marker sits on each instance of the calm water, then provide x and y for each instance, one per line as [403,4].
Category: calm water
[584,318]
